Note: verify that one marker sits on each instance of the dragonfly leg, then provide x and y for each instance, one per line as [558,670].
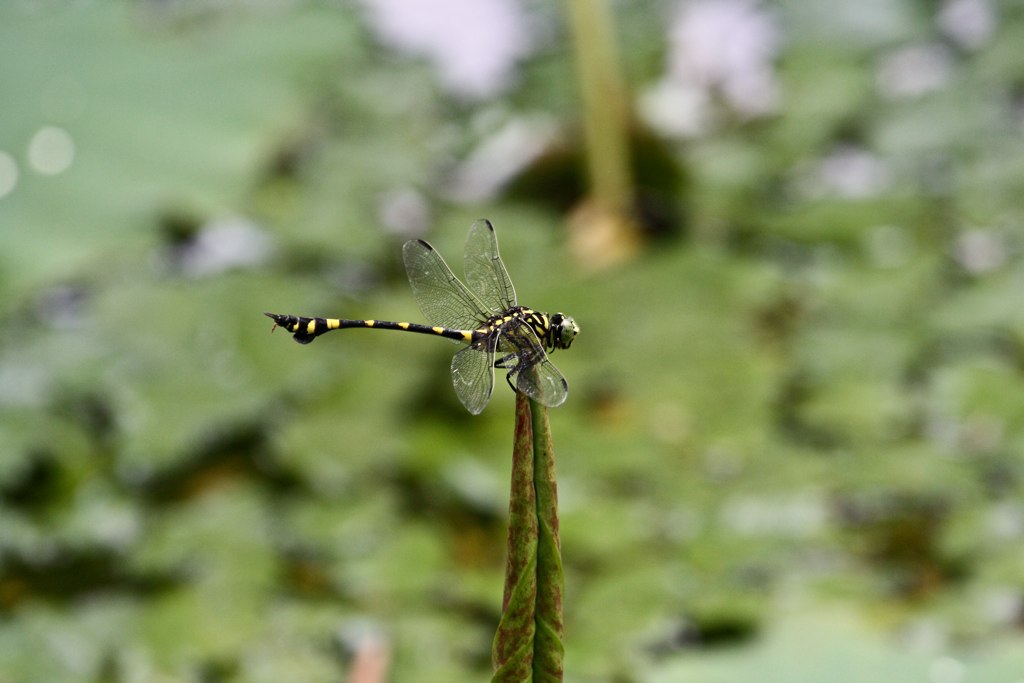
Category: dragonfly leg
[506,362]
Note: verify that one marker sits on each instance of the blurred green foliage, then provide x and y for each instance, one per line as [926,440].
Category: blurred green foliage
[794,447]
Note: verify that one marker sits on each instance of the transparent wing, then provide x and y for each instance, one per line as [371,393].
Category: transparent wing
[485,273]
[443,299]
[473,375]
[542,382]
[530,370]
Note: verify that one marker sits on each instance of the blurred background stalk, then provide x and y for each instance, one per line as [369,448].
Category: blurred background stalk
[606,116]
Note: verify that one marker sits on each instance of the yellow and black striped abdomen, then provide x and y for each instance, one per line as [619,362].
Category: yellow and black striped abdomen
[305,330]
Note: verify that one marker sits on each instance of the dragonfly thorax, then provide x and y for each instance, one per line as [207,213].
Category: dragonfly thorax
[556,331]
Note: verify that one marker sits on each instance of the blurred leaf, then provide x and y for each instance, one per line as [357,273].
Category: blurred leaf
[847,649]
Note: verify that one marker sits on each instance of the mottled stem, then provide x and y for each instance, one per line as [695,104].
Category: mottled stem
[528,643]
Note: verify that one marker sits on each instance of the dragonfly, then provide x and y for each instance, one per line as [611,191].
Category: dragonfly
[482,314]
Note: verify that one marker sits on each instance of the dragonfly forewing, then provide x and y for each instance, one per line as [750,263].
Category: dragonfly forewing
[444,300]
[485,272]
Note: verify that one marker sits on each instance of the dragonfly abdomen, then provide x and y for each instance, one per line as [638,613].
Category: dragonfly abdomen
[304,330]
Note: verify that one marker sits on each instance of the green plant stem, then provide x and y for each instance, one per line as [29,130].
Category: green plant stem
[528,643]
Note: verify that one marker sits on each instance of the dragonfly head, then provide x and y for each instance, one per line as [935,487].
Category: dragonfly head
[562,332]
